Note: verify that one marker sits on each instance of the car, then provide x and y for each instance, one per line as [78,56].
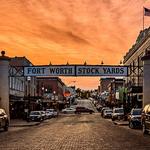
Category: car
[102,110]
[117,114]
[81,109]
[48,114]
[68,110]
[107,113]
[99,107]
[35,116]
[73,106]
[4,121]
[134,118]
[43,114]
[145,119]
[53,111]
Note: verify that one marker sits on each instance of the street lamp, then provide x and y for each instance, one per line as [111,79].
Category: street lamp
[54,105]
[54,92]
[42,91]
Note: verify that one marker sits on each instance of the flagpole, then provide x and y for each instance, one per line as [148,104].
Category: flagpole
[143,18]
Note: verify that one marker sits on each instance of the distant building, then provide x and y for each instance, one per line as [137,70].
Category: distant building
[49,86]
[104,82]
[114,88]
[51,89]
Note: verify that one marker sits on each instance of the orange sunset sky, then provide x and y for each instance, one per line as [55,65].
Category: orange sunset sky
[74,31]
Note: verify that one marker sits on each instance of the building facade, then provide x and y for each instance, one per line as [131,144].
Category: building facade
[51,89]
[134,81]
[21,88]
[104,82]
[114,87]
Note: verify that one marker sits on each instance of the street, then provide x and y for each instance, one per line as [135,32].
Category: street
[74,132]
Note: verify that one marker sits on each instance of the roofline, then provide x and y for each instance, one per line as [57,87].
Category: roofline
[136,46]
[23,58]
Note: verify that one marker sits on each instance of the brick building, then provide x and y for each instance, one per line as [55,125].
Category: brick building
[104,82]
[51,89]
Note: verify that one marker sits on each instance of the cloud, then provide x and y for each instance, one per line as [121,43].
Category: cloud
[61,36]
[70,30]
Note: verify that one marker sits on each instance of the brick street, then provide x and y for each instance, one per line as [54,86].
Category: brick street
[74,132]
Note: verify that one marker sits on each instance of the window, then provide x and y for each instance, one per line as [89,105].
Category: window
[136,112]
[119,111]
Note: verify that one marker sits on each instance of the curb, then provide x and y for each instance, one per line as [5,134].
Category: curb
[24,125]
[120,123]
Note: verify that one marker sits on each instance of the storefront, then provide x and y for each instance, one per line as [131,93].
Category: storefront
[16,107]
[135,96]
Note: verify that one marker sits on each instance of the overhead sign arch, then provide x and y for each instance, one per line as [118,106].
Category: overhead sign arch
[76,70]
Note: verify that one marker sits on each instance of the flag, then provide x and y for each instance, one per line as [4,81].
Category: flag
[146,12]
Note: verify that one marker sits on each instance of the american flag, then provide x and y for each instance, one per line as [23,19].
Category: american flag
[146,12]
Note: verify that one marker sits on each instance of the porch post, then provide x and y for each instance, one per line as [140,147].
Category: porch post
[146,78]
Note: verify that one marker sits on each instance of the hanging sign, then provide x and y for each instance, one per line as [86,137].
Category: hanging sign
[76,70]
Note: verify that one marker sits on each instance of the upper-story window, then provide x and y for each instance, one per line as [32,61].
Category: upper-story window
[140,60]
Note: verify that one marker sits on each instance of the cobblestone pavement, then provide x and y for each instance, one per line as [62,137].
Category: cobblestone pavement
[74,132]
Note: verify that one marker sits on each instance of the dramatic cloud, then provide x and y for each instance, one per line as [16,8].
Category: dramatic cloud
[71,30]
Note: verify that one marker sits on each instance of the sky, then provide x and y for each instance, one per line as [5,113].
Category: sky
[74,31]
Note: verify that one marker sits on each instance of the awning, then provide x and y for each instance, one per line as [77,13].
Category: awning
[14,98]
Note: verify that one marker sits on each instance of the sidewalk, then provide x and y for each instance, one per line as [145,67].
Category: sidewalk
[121,123]
[21,123]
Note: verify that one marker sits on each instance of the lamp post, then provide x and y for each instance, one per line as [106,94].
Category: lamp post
[29,81]
[54,92]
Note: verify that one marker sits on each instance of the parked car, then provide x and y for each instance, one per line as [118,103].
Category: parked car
[53,111]
[118,114]
[48,114]
[80,109]
[102,110]
[69,110]
[73,106]
[134,118]
[4,121]
[146,119]
[107,113]
[99,107]
[43,114]
[35,116]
